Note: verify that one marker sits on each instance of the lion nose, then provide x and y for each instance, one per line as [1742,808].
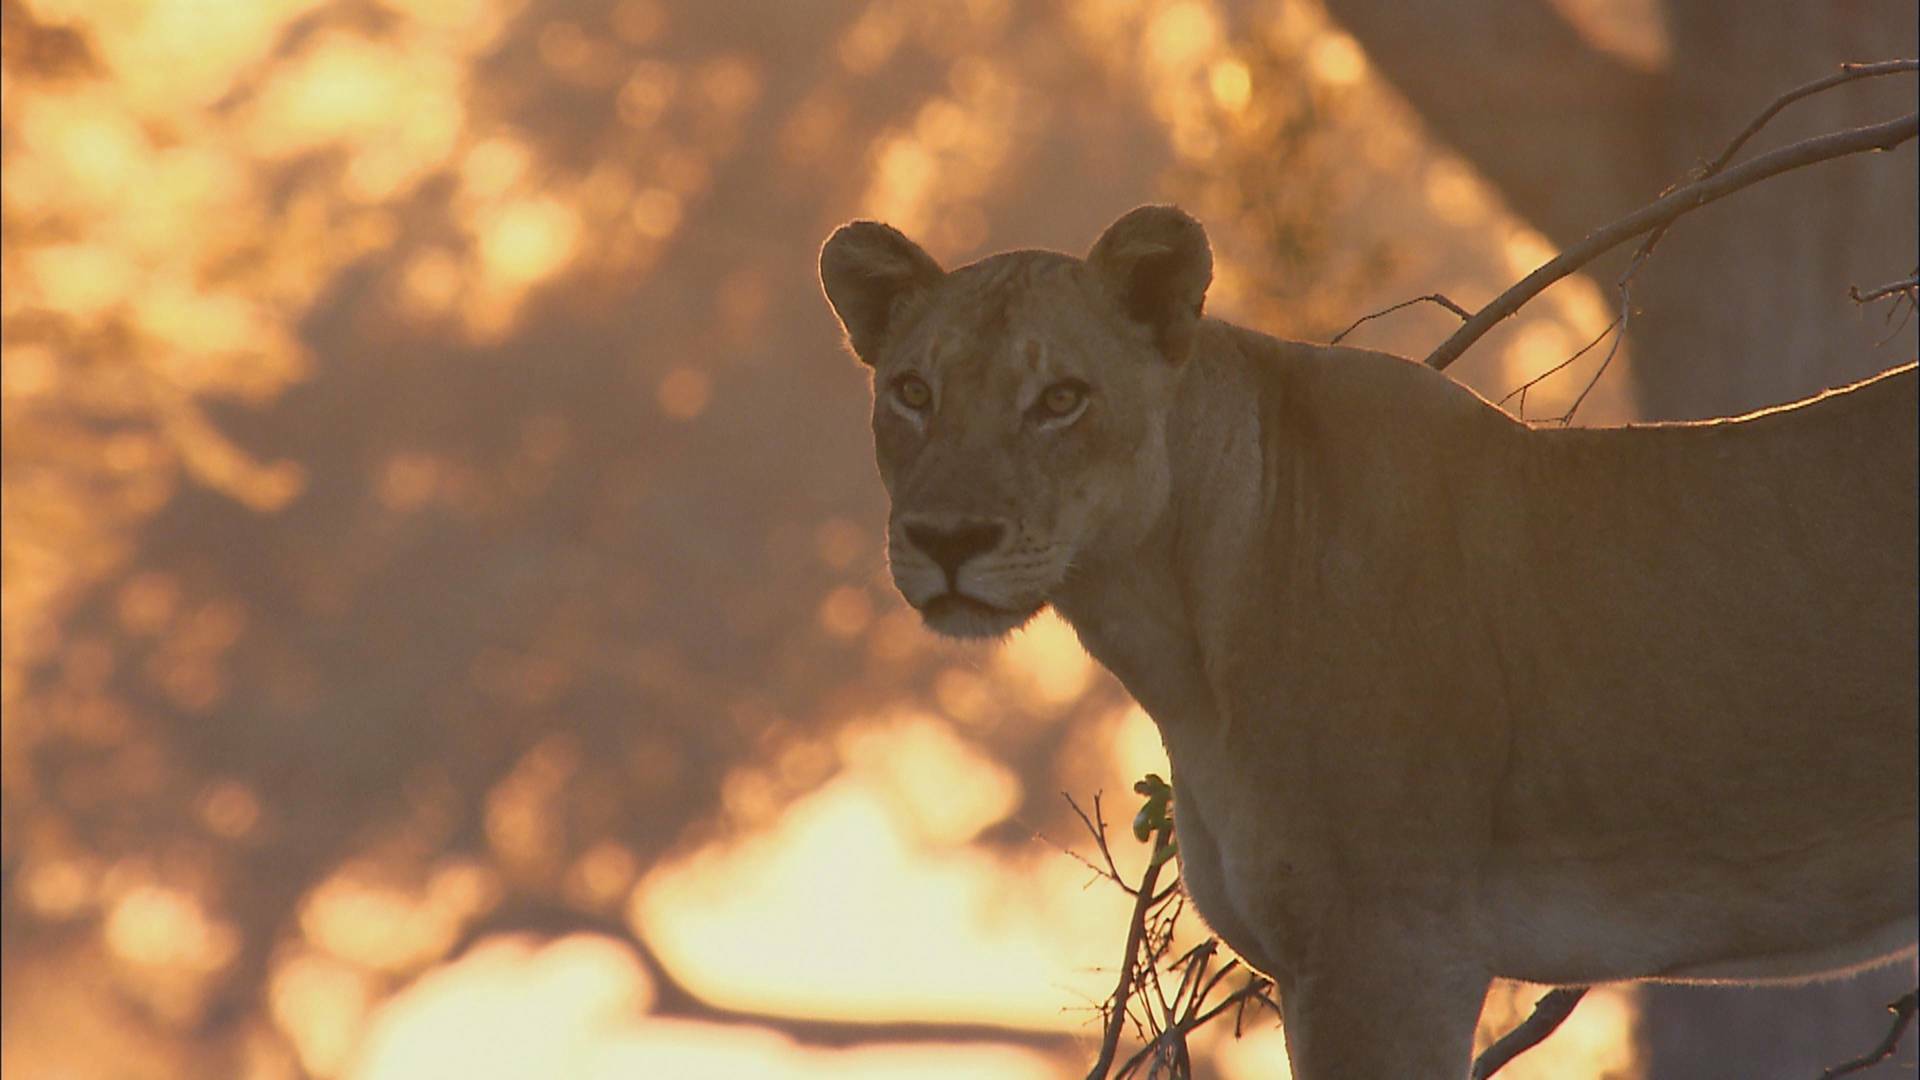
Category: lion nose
[952,546]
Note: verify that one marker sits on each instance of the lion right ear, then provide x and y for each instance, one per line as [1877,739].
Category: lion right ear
[1156,264]
[868,271]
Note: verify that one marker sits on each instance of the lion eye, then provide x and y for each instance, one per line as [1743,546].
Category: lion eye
[1062,398]
[913,392]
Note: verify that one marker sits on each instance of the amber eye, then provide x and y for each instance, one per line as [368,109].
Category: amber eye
[913,392]
[1062,398]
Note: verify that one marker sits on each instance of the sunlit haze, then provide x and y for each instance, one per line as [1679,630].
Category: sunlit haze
[446,624]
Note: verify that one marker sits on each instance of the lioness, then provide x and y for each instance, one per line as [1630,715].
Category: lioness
[1446,697]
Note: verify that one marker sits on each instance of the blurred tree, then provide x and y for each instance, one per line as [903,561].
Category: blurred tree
[558,556]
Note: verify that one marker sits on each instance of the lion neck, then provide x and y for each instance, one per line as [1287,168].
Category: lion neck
[1132,616]
[1139,606]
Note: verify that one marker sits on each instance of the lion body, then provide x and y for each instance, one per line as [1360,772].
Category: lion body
[1446,697]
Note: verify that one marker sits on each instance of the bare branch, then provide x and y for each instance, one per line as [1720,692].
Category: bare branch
[1432,298]
[1906,286]
[1902,1016]
[1143,898]
[1884,136]
[1254,991]
[1174,1040]
[1847,73]
[1549,1013]
[1097,826]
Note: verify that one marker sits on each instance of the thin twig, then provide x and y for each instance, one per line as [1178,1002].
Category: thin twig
[1097,825]
[1136,930]
[1549,1013]
[1206,991]
[1613,349]
[1430,298]
[1906,300]
[1847,73]
[1521,390]
[1902,1016]
[1903,287]
[1254,991]
[1904,307]
[1620,321]
[1884,136]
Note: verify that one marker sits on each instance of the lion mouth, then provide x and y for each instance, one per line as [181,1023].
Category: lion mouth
[959,615]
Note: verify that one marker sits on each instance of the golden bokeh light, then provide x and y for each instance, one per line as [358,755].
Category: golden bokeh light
[941,788]
[1597,1040]
[656,212]
[1231,83]
[230,809]
[838,542]
[322,1004]
[846,612]
[380,926]
[578,1007]
[525,240]
[965,697]
[684,392]
[1045,656]
[1455,193]
[1335,58]
[867,866]
[416,524]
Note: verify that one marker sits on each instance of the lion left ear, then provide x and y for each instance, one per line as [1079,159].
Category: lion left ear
[1157,265]
[868,271]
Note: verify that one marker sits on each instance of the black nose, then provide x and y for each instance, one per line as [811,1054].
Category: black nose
[952,547]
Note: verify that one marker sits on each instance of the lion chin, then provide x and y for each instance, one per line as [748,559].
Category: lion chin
[957,615]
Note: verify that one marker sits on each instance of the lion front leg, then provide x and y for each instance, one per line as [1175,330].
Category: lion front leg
[1383,1005]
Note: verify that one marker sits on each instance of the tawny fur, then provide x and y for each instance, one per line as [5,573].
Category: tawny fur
[1446,697]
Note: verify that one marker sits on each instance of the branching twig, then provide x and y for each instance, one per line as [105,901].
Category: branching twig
[1430,298]
[1902,1016]
[1847,73]
[1097,825]
[1521,390]
[1906,300]
[1161,1023]
[1549,1013]
[1620,321]
[1906,286]
[1143,899]
[1684,200]
[1173,1041]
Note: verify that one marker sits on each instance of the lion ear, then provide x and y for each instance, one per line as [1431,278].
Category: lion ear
[1156,264]
[868,270]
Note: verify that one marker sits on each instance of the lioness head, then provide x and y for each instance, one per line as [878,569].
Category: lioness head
[1019,404]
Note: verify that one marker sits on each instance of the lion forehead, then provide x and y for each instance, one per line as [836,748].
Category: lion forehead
[1024,311]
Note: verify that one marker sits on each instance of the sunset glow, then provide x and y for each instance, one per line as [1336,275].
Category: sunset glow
[447,630]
